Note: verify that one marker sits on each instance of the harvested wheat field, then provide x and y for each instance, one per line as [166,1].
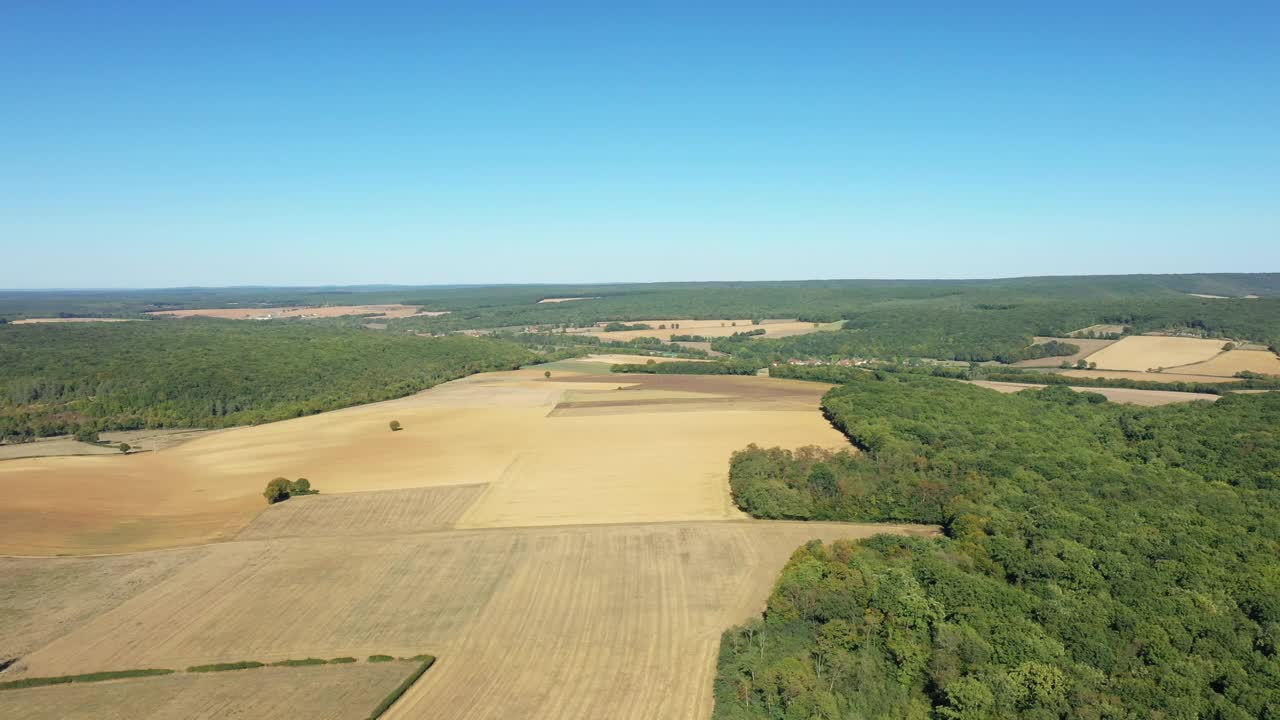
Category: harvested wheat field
[1161,377]
[303,311]
[567,548]
[618,621]
[708,329]
[138,440]
[616,359]
[1128,396]
[1229,363]
[543,467]
[1087,348]
[1145,352]
[564,299]
[323,692]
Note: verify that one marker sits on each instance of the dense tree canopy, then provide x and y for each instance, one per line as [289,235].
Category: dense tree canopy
[1100,560]
[211,373]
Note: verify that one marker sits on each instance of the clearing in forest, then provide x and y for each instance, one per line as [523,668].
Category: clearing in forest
[1087,348]
[1145,352]
[1229,363]
[1103,329]
[302,311]
[1129,396]
[1154,377]
[707,328]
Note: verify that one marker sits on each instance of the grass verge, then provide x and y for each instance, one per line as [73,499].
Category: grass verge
[222,667]
[403,687]
[85,678]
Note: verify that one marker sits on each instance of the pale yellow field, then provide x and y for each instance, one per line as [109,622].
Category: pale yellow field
[592,621]
[564,299]
[1167,376]
[1120,395]
[1087,348]
[138,440]
[1229,363]
[709,328]
[615,359]
[325,692]
[1144,352]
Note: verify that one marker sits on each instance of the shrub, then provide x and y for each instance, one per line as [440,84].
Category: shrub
[300,663]
[380,658]
[301,486]
[342,660]
[395,425]
[124,448]
[223,667]
[87,677]
[87,435]
[277,491]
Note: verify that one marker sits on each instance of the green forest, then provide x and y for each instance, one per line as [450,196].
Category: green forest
[58,378]
[1098,560]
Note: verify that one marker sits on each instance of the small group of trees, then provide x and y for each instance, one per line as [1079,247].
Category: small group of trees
[620,327]
[281,489]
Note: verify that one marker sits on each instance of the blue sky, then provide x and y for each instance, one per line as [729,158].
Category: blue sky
[154,144]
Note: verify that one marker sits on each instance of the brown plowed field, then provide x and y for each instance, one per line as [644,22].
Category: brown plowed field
[324,692]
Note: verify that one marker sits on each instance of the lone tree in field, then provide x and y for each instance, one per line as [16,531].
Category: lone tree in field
[395,425]
[546,374]
[301,486]
[124,447]
[277,491]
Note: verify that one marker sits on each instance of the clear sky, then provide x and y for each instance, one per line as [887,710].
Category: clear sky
[169,143]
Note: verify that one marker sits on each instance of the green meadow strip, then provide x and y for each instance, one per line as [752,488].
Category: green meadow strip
[86,678]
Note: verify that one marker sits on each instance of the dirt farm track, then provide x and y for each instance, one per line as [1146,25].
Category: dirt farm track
[567,548]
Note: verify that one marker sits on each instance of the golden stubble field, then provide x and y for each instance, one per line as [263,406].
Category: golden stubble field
[1145,352]
[623,463]
[588,621]
[567,549]
[708,328]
